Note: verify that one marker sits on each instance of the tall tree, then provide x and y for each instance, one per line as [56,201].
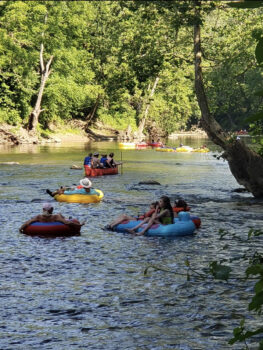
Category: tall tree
[244,163]
[44,73]
[231,73]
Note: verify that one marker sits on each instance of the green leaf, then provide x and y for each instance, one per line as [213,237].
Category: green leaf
[255,270]
[256,303]
[259,93]
[246,4]
[255,117]
[259,286]
[240,335]
[259,51]
[254,233]
[220,271]
[187,263]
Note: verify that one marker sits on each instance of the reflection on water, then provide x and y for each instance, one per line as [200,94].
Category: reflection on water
[89,292]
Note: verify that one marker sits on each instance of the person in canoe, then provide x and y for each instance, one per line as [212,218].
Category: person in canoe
[48,216]
[95,162]
[87,160]
[104,161]
[163,215]
[124,217]
[85,187]
[111,162]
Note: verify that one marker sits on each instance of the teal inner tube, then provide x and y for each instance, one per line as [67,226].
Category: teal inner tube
[182,226]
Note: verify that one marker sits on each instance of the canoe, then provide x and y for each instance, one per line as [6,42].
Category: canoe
[52,229]
[182,226]
[100,172]
[80,198]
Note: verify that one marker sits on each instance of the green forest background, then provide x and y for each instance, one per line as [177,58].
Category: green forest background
[109,55]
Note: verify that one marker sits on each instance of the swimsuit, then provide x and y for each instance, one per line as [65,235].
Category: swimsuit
[165,220]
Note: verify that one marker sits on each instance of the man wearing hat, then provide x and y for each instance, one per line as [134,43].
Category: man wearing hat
[48,216]
[83,188]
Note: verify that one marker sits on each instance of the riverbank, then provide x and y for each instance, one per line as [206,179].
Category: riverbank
[196,132]
[72,132]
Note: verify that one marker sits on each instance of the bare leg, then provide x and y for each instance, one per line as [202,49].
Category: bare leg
[121,219]
[150,223]
[59,191]
[132,230]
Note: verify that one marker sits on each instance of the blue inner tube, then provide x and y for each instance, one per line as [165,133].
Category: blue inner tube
[182,226]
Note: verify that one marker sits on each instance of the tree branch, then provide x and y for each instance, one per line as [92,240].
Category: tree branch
[42,67]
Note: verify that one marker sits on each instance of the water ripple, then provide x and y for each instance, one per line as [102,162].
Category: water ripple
[90,292]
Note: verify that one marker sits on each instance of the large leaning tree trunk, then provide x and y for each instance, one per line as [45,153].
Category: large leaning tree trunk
[91,115]
[146,112]
[245,164]
[44,71]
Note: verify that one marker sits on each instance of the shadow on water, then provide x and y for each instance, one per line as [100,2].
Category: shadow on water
[90,291]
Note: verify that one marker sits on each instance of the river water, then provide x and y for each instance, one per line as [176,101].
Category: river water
[90,292]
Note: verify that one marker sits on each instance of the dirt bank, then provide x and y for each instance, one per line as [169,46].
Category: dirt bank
[193,132]
[73,132]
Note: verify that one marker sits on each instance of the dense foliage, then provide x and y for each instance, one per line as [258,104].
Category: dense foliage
[108,54]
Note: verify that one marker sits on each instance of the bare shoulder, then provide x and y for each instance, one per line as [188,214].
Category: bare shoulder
[57,217]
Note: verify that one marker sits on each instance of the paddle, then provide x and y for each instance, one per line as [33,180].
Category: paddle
[121,163]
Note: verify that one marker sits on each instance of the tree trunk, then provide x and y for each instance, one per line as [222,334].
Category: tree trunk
[45,71]
[245,165]
[92,113]
[144,118]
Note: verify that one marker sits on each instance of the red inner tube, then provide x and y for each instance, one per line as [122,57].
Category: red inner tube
[155,144]
[52,229]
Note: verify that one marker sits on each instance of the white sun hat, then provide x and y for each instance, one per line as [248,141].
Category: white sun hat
[86,183]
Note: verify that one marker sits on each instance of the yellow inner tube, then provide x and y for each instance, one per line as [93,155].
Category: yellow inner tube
[159,149]
[184,149]
[201,150]
[127,145]
[80,198]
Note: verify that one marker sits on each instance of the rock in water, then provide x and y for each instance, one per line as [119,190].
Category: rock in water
[240,190]
[150,182]
[77,167]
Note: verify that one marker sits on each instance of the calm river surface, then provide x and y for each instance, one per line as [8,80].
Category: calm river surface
[90,292]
